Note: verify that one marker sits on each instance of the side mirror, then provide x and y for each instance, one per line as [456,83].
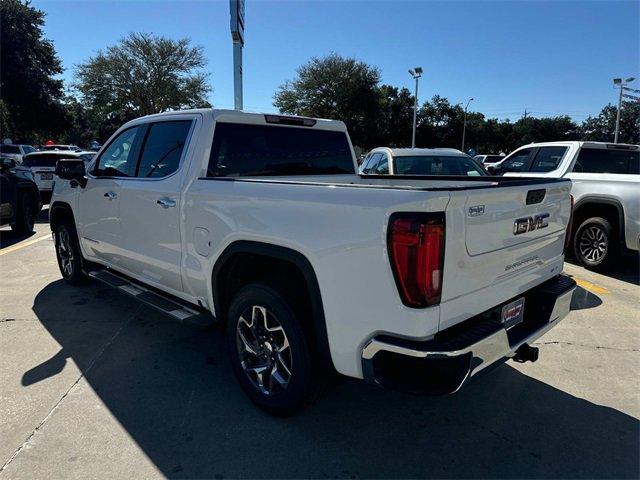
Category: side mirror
[73,170]
[8,163]
[494,169]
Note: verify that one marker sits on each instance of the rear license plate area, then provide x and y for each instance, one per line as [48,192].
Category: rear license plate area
[512,313]
[46,176]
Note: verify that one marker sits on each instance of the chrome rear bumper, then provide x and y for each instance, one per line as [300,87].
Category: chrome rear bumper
[444,364]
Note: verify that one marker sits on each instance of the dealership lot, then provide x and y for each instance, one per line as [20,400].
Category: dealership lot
[95,385]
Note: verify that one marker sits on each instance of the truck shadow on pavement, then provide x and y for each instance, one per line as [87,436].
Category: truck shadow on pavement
[172,389]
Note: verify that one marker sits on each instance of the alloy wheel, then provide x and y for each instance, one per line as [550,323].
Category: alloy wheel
[264,350]
[593,243]
[65,252]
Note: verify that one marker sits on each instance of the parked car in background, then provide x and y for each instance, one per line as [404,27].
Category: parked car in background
[20,200]
[420,161]
[606,193]
[50,147]
[43,167]
[15,151]
[260,223]
[488,159]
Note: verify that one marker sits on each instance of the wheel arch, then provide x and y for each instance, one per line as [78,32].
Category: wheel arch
[595,205]
[236,255]
[57,212]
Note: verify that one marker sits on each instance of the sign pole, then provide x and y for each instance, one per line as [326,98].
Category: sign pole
[236,8]
[237,75]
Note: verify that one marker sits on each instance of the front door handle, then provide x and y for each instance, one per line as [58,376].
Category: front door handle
[111,195]
[166,202]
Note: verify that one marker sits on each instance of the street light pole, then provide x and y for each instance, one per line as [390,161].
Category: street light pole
[416,73]
[464,124]
[620,83]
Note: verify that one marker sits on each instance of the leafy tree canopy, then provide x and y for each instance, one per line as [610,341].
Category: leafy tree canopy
[336,87]
[30,108]
[141,75]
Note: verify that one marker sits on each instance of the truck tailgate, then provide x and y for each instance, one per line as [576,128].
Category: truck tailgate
[499,243]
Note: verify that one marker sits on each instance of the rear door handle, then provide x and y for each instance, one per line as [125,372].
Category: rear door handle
[166,202]
[111,195]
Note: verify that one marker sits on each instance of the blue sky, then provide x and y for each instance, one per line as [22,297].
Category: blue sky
[550,57]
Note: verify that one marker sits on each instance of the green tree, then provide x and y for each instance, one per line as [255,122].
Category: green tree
[602,128]
[339,88]
[396,116]
[30,108]
[141,75]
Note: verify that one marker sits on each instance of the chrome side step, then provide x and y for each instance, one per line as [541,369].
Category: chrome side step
[163,303]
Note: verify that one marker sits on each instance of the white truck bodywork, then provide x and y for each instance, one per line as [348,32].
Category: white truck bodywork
[337,222]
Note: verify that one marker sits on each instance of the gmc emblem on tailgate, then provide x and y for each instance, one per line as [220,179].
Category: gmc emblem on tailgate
[529,224]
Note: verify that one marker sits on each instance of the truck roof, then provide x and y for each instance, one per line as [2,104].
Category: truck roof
[420,152]
[588,144]
[239,116]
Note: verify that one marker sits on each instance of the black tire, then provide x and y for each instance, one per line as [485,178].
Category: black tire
[595,244]
[68,253]
[26,214]
[301,383]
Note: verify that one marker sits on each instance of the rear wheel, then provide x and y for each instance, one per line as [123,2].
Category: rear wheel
[594,244]
[26,215]
[68,253]
[269,351]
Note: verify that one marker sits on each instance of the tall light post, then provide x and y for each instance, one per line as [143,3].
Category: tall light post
[464,124]
[416,73]
[620,83]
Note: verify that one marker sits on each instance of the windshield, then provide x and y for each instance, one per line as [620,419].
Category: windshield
[437,165]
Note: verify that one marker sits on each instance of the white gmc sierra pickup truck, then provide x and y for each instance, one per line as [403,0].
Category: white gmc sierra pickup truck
[605,188]
[260,223]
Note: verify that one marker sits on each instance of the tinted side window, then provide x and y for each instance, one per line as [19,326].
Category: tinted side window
[163,148]
[518,162]
[600,160]
[548,158]
[371,164]
[120,157]
[253,150]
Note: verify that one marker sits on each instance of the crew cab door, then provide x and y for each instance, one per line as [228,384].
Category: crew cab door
[97,209]
[150,204]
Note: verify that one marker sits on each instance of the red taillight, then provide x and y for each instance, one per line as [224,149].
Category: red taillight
[416,251]
[567,236]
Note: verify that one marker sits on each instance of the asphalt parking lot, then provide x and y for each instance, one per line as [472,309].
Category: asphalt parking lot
[93,385]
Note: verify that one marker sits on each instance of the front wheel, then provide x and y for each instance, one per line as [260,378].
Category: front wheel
[268,349]
[594,244]
[68,253]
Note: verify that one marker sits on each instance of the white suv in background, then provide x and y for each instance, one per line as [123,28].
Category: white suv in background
[420,161]
[15,151]
[43,167]
[606,192]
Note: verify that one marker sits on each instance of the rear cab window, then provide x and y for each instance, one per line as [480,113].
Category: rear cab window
[44,159]
[601,160]
[243,150]
[13,149]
